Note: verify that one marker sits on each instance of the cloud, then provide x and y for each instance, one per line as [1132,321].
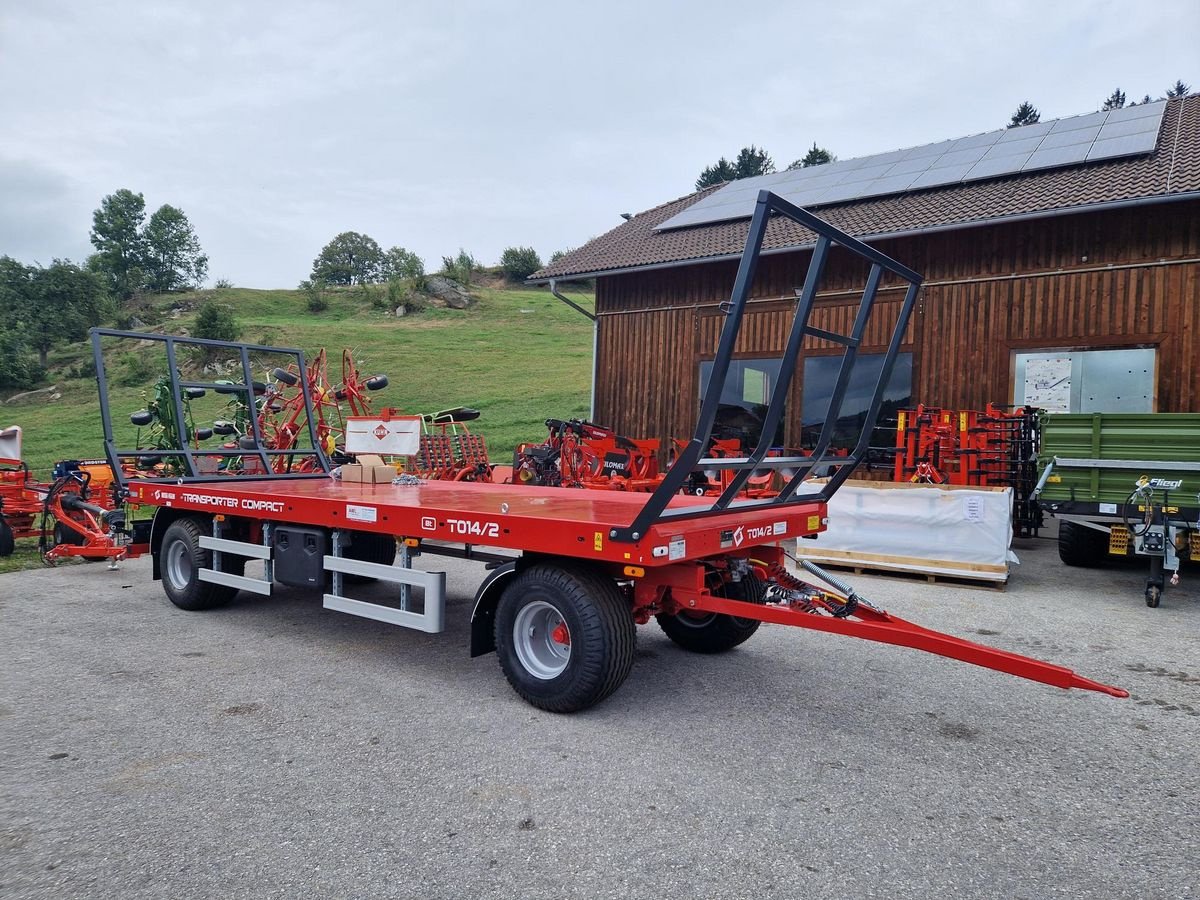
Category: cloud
[40,217]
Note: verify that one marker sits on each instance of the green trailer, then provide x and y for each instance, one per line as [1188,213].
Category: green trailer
[1123,484]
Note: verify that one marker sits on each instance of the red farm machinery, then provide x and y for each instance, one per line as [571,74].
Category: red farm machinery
[569,574]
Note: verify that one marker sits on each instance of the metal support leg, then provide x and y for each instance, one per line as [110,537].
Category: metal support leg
[405,589]
[336,550]
[268,563]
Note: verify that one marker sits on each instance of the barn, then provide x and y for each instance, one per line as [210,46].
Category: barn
[1061,266]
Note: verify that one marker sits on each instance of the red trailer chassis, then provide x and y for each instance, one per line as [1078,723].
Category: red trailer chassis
[585,567]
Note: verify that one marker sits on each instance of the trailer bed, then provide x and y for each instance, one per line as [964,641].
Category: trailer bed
[558,521]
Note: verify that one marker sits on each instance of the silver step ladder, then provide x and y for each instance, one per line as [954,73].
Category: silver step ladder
[432,617]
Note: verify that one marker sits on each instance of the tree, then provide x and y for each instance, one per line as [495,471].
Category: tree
[17,366]
[752,161]
[816,156]
[117,236]
[1115,100]
[1179,89]
[718,173]
[51,305]
[401,263]
[350,258]
[174,259]
[1026,114]
[519,263]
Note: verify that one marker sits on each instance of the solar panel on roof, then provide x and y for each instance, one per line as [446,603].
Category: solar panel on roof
[1063,142]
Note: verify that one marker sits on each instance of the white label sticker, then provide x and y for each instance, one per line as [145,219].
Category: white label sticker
[677,548]
[781,527]
[972,509]
[361,513]
[1108,508]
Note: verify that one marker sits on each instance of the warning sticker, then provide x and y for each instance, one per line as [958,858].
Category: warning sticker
[361,513]
[677,548]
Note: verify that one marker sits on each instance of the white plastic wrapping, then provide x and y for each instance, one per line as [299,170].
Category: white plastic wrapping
[936,529]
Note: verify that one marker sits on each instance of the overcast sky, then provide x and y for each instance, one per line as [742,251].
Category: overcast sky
[439,126]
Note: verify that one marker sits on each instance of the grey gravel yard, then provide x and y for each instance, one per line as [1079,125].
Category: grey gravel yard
[272,749]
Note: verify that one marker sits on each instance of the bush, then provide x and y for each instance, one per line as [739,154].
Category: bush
[215,322]
[314,295]
[223,284]
[140,369]
[460,268]
[519,263]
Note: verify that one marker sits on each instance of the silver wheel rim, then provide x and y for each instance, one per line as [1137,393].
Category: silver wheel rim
[179,565]
[537,638]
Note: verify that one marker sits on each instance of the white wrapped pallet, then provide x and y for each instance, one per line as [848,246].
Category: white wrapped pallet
[952,530]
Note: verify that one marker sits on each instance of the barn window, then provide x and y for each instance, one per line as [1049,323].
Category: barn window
[1086,381]
[748,390]
[820,374]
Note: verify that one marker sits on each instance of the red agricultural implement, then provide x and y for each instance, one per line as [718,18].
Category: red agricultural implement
[579,454]
[571,573]
[62,515]
[994,448]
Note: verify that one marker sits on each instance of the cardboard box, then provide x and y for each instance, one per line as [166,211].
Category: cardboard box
[369,469]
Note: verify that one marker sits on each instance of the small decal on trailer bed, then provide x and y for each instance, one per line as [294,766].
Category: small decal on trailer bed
[361,513]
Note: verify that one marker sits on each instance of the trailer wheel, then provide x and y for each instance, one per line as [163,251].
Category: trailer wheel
[565,637]
[1081,546]
[180,560]
[716,632]
[1153,595]
[8,543]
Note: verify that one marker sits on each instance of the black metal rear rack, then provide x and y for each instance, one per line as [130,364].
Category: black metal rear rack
[821,462]
[184,454]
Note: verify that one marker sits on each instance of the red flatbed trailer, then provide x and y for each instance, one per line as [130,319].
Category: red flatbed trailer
[586,567]
[548,521]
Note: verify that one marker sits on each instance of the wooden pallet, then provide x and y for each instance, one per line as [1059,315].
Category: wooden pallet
[909,575]
[934,571]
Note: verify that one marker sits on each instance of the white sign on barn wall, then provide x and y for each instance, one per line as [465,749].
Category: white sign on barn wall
[1048,383]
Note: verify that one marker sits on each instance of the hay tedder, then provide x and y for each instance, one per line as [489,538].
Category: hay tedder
[570,574]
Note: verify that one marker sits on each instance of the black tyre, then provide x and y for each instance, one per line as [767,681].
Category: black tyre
[369,547]
[285,377]
[564,636]
[716,632]
[180,560]
[65,534]
[1153,595]
[1081,546]
[8,543]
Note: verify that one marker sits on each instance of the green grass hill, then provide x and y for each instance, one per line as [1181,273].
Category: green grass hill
[518,355]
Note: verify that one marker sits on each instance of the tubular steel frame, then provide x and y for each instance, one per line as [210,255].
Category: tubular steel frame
[656,509]
[187,454]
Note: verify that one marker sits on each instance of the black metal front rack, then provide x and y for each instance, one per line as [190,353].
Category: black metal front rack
[821,462]
[184,454]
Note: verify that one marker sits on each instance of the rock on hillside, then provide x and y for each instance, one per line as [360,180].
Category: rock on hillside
[445,291]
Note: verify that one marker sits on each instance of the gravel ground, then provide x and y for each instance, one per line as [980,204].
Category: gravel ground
[272,749]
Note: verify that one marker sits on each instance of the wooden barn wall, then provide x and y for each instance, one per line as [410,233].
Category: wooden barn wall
[1110,279]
